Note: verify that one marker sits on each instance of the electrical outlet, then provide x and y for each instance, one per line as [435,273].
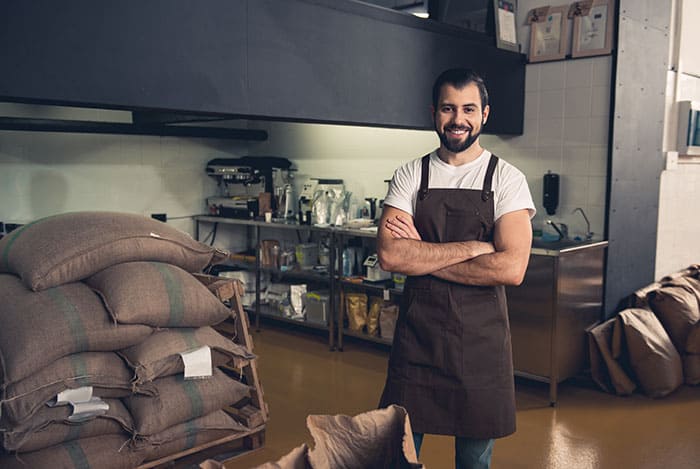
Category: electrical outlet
[160,217]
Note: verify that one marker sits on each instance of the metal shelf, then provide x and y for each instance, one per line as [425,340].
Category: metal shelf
[363,336]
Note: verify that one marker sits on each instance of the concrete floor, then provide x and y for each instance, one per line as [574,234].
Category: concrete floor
[588,428]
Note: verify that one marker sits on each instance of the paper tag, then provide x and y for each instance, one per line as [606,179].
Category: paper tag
[387,295]
[88,410]
[197,363]
[68,396]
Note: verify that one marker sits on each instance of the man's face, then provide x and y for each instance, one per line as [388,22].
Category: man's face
[459,117]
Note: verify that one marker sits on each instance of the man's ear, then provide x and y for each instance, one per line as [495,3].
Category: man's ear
[485,114]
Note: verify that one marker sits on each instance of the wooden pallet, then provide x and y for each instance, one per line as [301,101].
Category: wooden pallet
[253,412]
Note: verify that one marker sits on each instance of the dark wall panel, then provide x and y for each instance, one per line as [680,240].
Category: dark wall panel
[174,54]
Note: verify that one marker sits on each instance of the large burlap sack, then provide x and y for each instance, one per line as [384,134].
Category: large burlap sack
[692,344]
[676,306]
[157,294]
[179,400]
[100,452]
[656,363]
[691,369]
[69,247]
[159,355]
[187,435]
[108,375]
[52,425]
[38,328]
[606,370]
[378,438]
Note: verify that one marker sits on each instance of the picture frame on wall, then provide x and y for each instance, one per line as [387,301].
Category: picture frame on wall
[505,19]
[593,32]
[549,36]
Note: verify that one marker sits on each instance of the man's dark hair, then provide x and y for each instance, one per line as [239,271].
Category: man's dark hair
[459,78]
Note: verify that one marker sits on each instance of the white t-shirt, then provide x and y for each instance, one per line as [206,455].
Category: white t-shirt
[509,185]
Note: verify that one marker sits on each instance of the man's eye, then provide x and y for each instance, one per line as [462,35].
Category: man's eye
[446,109]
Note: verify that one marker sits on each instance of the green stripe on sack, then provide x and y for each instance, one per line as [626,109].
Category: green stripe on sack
[80,369]
[192,391]
[12,237]
[173,289]
[75,322]
[74,432]
[191,431]
[189,337]
[77,455]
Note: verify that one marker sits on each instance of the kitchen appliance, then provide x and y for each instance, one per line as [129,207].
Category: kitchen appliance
[550,192]
[243,181]
[308,193]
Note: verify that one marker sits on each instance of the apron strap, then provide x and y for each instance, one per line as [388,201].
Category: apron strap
[424,177]
[486,190]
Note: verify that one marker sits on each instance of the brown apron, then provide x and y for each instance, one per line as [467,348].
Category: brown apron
[451,365]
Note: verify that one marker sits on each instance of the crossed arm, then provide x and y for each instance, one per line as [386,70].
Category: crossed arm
[401,249]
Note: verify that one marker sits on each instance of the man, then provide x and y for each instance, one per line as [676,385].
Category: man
[457,222]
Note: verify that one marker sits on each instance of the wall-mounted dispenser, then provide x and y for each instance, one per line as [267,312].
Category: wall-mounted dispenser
[550,192]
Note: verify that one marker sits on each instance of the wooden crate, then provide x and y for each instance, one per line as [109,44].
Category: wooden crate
[253,412]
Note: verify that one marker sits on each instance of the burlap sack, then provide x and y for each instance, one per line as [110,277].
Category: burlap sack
[103,452]
[51,426]
[653,357]
[104,371]
[691,369]
[180,400]
[692,344]
[677,308]
[609,375]
[157,294]
[378,438]
[187,435]
[69,247]
[158,355]
[39,328]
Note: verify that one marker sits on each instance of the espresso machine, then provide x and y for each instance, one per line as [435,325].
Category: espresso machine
[249,185]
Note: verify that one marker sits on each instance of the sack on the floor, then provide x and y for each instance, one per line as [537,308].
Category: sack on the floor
[69,247]
[608,374]
[691,369]
[104,371]
[179,400]
[653,357]
[52,425]
[378,438]
[157,294]
[676,306]
[187,435]
[159,355]
[692,344]
[103,452]
[38,328]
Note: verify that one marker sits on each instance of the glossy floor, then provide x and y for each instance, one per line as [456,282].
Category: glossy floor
[588,428]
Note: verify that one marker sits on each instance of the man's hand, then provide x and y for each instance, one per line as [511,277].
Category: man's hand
[401,226]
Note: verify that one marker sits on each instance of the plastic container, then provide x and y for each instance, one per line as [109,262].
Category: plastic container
[307,255]
[317,306]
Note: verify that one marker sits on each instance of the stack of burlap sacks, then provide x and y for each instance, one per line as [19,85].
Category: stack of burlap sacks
[656,343]
[107,301]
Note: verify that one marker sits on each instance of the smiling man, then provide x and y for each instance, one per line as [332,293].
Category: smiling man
[457,222]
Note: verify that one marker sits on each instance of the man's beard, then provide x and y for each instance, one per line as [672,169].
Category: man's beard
[458,146]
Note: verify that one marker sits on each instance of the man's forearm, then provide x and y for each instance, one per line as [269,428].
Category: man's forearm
[413,257]
[498,268]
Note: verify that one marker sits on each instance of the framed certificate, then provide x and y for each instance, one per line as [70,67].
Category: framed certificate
[549,36]
[593,32]
[506,37]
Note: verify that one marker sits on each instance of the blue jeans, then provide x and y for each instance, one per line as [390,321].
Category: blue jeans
[469,453]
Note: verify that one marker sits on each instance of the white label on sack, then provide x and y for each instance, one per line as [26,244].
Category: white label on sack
[387,295]
[88,410]
[197,363]
[83,394]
